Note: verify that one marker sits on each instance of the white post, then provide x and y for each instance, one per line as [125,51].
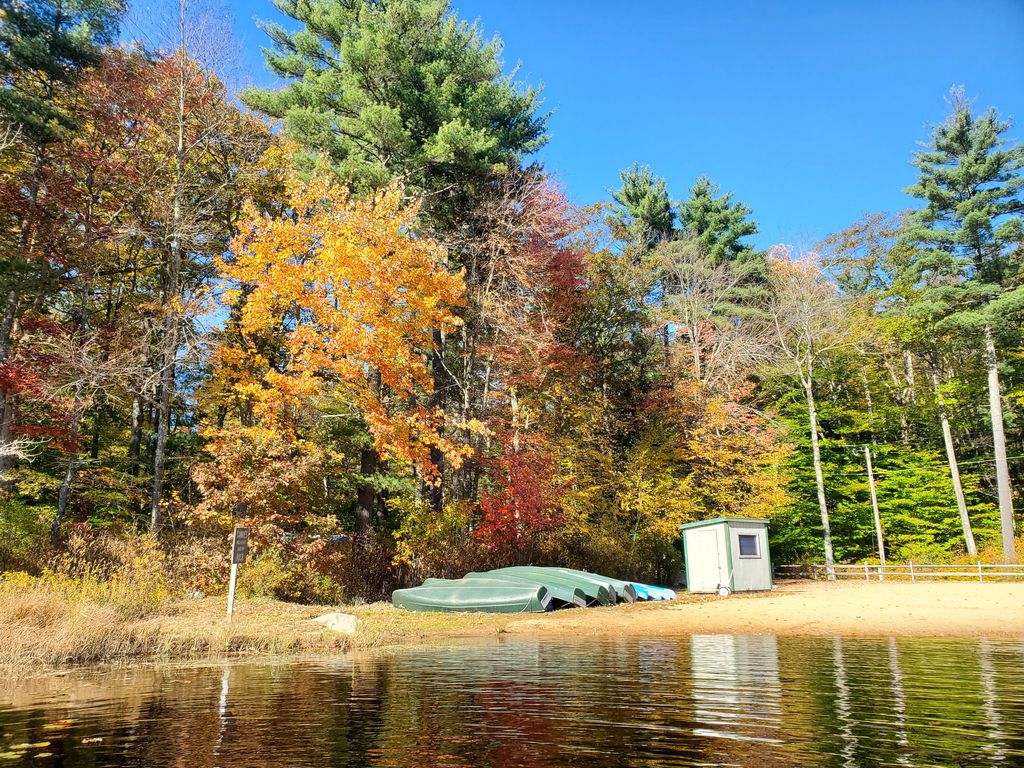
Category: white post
[874,509]
[867,575]
[912,571]
[231,589]
[980,576]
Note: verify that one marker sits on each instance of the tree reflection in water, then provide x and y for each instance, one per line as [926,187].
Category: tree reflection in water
[701,700]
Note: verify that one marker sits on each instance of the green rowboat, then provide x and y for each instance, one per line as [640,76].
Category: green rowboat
[479,597]
[596,591]
[566,592]
[624,590]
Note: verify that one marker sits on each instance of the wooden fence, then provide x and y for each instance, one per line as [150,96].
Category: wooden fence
[907,572]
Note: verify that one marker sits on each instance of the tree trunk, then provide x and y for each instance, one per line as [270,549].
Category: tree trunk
[954,468]
[163,428]
[870,404]
[366,492]
[819,479]
[6,407]
[874,510]
[439,401]
[999,445]
[170,299]
[64,492]
[695,341]
[135,439]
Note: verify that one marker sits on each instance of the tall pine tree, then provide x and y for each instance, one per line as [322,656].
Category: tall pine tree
[967,264]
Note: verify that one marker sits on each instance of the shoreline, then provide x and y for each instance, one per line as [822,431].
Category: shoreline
[196,630]
[817,608]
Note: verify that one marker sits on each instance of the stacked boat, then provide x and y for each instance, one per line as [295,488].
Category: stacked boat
[524,589]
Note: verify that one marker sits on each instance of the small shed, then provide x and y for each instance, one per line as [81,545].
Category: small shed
[727,553]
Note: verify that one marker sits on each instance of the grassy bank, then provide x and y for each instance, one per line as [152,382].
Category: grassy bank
[42,626]
[40,629]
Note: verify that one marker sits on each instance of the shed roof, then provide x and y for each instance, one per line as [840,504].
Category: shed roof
[715,520]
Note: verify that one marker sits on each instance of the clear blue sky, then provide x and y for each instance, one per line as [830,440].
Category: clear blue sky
[808,111]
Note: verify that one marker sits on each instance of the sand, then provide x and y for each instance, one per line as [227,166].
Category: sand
[858,609]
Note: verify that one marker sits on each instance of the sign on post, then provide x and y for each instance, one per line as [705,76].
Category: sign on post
[239,546]
[239,549]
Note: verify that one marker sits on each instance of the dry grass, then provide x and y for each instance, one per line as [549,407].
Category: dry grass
[39,629]
[55,621]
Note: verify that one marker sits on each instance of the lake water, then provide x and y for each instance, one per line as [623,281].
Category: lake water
[697,701]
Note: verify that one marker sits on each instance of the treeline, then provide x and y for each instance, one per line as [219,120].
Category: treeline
[355,304]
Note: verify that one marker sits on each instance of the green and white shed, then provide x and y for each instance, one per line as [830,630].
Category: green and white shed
[727,554]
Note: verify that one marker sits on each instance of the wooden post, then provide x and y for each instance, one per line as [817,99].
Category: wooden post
[980,576]
[867,575]
[239,550]
[231,589]
[912,571]
[874,509]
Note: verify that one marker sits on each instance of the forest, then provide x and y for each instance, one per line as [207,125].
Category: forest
[356,315]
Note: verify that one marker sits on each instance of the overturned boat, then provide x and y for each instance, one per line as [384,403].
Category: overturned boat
[524,589]
[475,597]
[594,591]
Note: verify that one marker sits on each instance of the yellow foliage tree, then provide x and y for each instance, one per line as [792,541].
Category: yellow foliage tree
[354,294]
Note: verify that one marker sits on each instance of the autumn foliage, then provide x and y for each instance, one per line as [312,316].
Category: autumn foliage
[355,294]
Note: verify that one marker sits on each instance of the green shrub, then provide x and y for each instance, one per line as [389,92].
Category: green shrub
[24,532]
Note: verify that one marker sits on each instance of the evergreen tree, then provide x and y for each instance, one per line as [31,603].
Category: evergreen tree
[969,234]
[719,224]
[43,46]
[399,89]
[643,215]
[720,227]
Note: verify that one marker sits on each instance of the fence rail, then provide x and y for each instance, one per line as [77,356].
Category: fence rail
[912,571]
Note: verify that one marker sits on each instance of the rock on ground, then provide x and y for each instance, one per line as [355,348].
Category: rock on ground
[342,623]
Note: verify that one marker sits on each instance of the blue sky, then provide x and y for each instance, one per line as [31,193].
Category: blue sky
[808,111]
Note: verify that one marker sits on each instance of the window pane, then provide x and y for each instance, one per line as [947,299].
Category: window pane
[748,545]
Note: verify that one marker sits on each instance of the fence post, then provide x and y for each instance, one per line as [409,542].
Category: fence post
[912,579]
[866,576]
[980,576]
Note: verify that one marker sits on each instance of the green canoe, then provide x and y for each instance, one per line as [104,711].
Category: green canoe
[624,590]
[581,576]
[565,592]
[593,588]
[479,598]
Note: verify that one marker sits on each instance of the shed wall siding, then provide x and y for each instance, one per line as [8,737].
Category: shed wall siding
[750,573]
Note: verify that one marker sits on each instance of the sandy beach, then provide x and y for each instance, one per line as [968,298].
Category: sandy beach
[851,608]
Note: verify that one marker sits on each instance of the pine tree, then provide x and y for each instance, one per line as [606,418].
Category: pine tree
[44,46]
[721,227]
[643,216]
[969,236]
[719,224]
[399,89]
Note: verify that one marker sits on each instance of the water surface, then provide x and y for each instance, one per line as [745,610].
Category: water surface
[706,700]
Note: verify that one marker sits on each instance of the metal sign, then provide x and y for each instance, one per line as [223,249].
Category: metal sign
[239,545]
[239,549]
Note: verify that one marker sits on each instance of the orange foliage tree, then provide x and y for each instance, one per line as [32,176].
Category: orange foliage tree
[351,295]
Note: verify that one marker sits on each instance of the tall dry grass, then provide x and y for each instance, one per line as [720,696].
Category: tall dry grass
[119,604]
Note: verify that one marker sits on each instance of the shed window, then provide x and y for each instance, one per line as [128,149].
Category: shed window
[748,545]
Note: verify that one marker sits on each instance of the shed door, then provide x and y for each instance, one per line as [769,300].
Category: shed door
[704,567]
